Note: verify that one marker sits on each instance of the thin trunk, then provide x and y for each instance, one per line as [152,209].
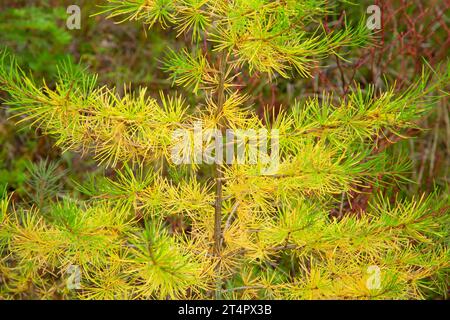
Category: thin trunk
[219,197]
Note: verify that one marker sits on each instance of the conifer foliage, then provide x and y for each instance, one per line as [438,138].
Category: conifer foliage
[159,229]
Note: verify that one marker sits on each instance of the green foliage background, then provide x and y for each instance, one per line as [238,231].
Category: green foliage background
[50,199]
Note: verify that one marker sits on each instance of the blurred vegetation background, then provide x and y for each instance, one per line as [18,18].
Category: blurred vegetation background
[413,34]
